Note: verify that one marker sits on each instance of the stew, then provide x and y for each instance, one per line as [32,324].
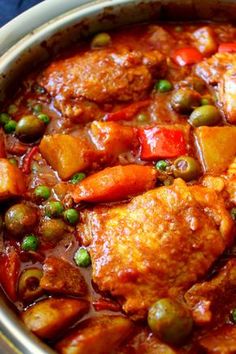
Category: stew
[118,193]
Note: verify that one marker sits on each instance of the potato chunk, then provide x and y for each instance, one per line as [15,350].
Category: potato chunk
[12,182]
[66,154]
[217,147]
[61,277]
[49,317]
[96,336]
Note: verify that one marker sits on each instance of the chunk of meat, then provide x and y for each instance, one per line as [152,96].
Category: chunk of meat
[205,40]
[12,181]
[61,277]
[211,301]
[211,142]
[112,139]
[115,183]
[227,95]
[212,69]
[103,75]
[157,245]
[220,341]
[48,318]
[66,154]
[96,336]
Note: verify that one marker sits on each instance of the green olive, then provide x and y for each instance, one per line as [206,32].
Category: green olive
[30,129]
[185,100]
[29,284]
[53,230]
[170,320]
[187,168]
[205,115]
[20,219]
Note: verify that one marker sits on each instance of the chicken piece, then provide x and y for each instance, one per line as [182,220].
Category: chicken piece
[157,245]
[205,40]
[66,154]
[227,95]
[112,139]
[211,301]
[61,277]
[212,69]
[103,75]
[12,181]
[220,341]
[79,111]
[115,183]
[217,147]
[96,336]
[48,318]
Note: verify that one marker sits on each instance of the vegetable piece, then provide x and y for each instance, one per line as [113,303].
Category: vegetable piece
[60,276]
[101,40]
[187,56]
[53,230]
[4,118]
[9,265]
[13,161]
[54,209]
[205,115]
[128,112]
[205,40]
[217,147]
[160,142]
[82,258]
[170,321]
[115,183]
[10,126]
[12,109]
[37,109]
[30,243]
[163,86]
[29,288]
[48,318]
[29,129]
[187,168]
[142,118]
[77,177]
[99,335]
[42,192]
[233,316]
[227,95]
[185,100]
[207,100]
[233,213]
[20,219]
[65,153]
[71,216]
[44,118]
[28,159]
[228,47]
[12,181]
[161,165]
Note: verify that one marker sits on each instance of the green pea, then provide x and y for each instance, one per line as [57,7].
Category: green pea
[163,86]
[187,168]
[44,118]
[12,109]
[161,165]
[30,243]
[142,118]
[53,230]
[54,209]
[185,100]
[10,126]
[13,161]
[207,100]
[101,40]
[71,216]
[4,118]
[77,177]
[42,192]
[205,115]
[82,258]
[233,316]
[37,108]
[170,321]
[29,129]
[233,213]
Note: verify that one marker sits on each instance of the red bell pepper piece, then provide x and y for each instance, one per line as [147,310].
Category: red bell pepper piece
[187,56]
[229,47]
[28,159]
[128,112]
[158,142]
[9,271]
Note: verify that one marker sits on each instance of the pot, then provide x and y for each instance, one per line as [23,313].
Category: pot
[44,30]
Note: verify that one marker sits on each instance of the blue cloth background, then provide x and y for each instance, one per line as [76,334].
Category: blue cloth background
[12,8]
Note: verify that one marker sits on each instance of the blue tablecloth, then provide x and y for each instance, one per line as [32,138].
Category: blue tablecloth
[12,8]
